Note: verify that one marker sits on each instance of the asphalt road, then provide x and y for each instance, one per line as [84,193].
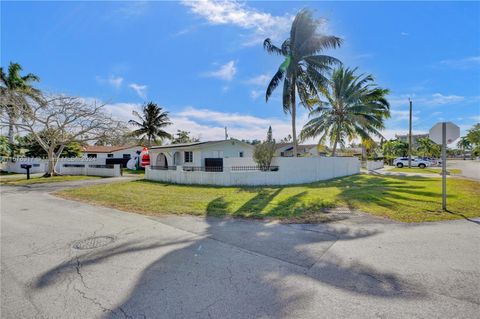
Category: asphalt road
[187,267]
[470,168]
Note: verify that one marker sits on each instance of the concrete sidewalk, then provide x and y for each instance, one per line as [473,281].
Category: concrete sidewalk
[192,267]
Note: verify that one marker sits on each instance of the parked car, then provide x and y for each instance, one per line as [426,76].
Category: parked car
[433,160]
[416,162]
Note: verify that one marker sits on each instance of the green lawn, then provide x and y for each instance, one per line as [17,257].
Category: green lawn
[407,199]
[22,179]
[133,172]
[430,170]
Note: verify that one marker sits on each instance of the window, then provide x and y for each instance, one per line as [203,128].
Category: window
[110,155]
[92,155]
[127,156]
[188,157]
[240,154]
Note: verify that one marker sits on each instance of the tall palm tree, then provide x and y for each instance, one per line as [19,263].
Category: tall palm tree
[15,88]
[355,107]
[303,69]
[464,144]
[151,123]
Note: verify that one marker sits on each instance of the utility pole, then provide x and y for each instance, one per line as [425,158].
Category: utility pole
[226,133]
[410,136]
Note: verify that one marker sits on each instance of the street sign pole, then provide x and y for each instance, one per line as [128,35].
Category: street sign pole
[444,166]
[410,136]
[444,133]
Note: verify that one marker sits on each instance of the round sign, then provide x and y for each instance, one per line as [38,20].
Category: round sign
[452,132]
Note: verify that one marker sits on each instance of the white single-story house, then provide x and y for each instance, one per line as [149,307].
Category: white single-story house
[209,154]
[117,152]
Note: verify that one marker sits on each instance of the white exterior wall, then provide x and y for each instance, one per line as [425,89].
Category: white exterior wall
[117,154]
[91,171]
[291,171]
[227,149]
[373,165]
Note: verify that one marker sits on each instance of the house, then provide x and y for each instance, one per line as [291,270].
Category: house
[111,152]
[286,150]
[209,154]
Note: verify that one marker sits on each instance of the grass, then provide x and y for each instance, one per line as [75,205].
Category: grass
[430,170]
[22,179]
[3,173]
[132,171]
[406,199]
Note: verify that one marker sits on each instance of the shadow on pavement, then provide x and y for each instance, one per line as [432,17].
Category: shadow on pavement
[239,270]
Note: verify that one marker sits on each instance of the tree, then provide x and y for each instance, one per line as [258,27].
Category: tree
[60,120]
[355,107]
[464,144]
[151,123]
[426,147]
[4,146]
[394,148]
[286,139]
[303,69]
[34,149]
[473,136]
[263,152]
[14,90]
[183,137]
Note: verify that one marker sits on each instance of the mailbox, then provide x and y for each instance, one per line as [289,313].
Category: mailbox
[27,167]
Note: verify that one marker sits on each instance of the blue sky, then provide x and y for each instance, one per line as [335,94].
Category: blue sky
[204,61]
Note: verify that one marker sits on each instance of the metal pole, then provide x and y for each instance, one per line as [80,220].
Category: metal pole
[444,166]
[410,136]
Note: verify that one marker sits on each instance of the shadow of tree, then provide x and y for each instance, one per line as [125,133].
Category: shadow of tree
[236,269]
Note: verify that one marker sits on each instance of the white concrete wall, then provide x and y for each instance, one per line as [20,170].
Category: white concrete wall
[87,170]
[373,165]
[39,165]
[291,171]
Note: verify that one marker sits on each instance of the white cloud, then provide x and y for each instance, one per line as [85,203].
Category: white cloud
[263,25]
[141,90]
[122,111]
[225,72]
[132,9]
[254,94]
[400,115]
[259,80]
[114,81]
[440,99]
[404,34]
[476,118]
[463,63]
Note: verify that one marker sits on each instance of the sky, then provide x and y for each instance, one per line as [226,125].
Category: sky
[204,62]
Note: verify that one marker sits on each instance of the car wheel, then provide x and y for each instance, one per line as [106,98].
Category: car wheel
[422,165]
[399,165]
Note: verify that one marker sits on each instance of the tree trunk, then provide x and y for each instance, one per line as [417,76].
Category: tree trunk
[11,143]
[294,125]
[334,150]
[52,163]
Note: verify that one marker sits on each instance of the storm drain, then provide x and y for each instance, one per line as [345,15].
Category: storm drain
[93,242]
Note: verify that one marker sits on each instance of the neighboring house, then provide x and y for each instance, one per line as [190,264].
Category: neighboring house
[116,152]
[286,150]
[199,154]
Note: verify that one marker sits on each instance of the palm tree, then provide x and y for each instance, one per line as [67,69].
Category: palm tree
[355,107]
[303,70]
[151,123]
[15,89]
[427,147]
[464,144]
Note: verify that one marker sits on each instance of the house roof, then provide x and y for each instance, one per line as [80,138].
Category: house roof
[290,145]
[168,146]
[106,149]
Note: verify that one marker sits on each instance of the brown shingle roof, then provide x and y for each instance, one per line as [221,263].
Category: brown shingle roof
[106,149]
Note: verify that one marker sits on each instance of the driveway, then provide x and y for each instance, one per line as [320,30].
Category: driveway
[189,267]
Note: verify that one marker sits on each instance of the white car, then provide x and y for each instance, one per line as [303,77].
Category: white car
[416,162]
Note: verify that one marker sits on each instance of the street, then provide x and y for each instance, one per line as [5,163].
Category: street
[65,259]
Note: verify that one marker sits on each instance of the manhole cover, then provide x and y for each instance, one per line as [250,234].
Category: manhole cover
[93,242]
